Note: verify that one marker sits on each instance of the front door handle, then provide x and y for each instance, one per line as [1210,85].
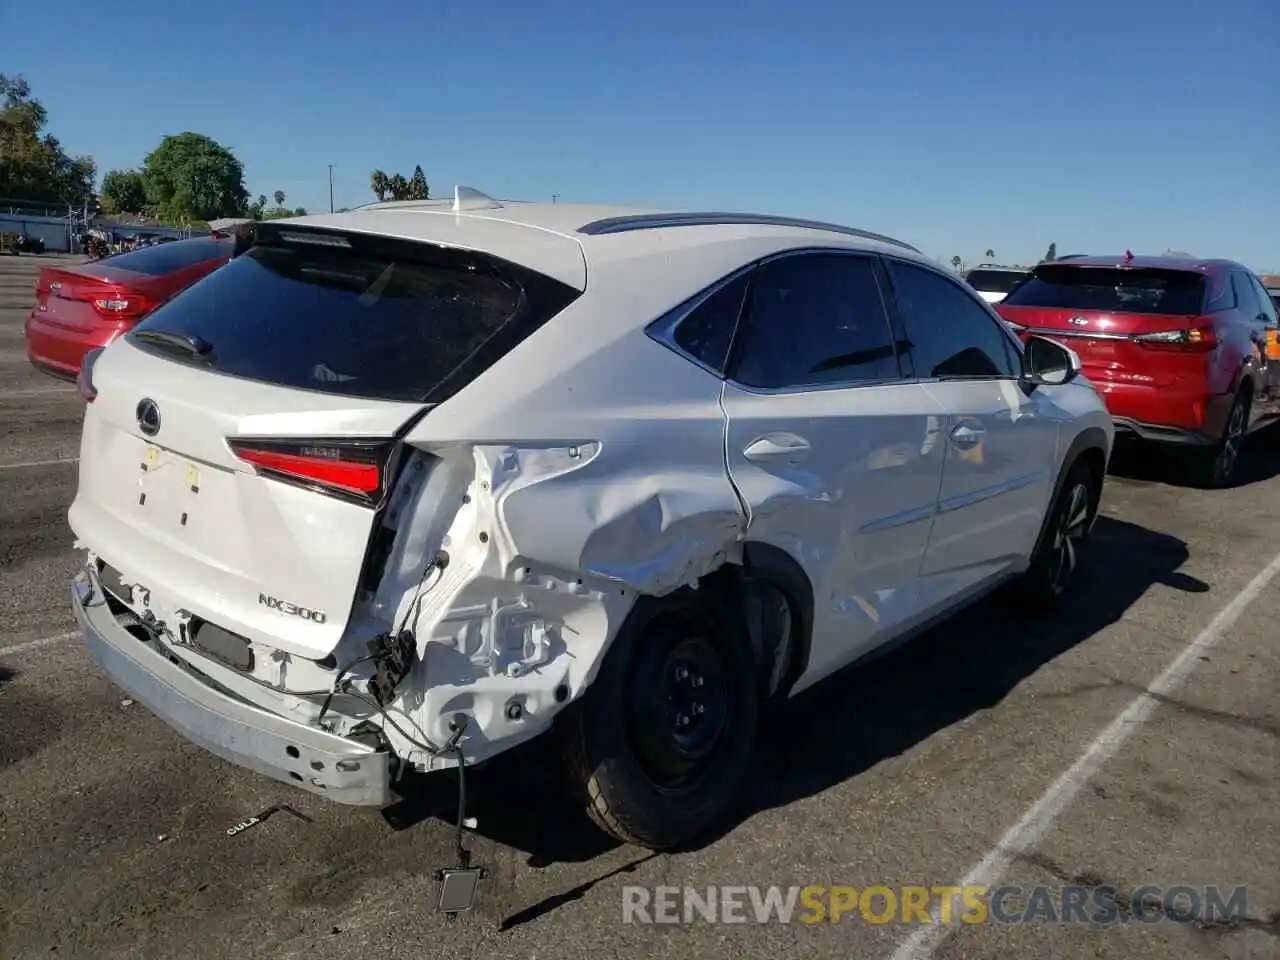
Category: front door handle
[777,446]
[967,434]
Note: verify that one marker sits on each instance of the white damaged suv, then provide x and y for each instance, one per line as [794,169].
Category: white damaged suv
[403,487]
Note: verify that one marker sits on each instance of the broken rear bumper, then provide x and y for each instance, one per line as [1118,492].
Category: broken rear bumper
[342,770]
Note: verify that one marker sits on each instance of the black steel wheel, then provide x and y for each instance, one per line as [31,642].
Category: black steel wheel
[661,743]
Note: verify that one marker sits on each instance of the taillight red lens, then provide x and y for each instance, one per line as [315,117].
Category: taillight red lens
[124,306]
[351,469]
[84,379]
[1198,339]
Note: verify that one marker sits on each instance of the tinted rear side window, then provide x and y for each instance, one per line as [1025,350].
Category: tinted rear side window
[377,318]
[994,281]
[1112,289]
[707,332]
[168,258]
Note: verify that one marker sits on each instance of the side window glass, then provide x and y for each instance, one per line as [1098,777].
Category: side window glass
[951,335]
[707,331]
[816,319]
[1246,299]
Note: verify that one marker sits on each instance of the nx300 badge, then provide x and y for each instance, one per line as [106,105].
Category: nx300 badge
[284,606]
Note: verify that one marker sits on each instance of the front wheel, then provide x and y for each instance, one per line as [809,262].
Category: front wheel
[1063,541]
[661,744]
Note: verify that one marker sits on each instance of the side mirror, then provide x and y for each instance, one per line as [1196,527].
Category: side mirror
[1048,362]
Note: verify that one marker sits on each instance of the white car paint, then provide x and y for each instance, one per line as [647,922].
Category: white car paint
[975,279]
[589,465]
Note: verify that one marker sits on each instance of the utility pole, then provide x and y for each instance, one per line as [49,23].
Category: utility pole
[331,188]
[555,197]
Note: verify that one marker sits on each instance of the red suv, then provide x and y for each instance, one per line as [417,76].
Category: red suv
[1175,346]
[87,305]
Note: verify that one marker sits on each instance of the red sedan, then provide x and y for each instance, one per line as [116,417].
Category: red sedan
[84,306]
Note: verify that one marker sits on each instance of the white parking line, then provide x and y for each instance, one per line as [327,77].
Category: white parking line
[1027,831]
[35,644]
[38,463]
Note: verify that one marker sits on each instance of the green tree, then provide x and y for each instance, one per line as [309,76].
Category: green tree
[955,262]
[418,185]
[33,166]
[123,191]
[1052,253]
[279,198]
[380,184]
[399,187]
[193,177]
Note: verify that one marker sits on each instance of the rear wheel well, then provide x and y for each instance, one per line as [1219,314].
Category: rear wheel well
[773,597]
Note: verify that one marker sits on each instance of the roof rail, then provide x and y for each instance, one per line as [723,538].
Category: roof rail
[654,221]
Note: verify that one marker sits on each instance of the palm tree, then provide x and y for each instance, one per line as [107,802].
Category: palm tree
[380,184]
[955,262]
[990,254]
[399,187]
[279,198]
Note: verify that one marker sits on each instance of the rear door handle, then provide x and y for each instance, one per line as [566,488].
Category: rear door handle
[967,434]
[777,446]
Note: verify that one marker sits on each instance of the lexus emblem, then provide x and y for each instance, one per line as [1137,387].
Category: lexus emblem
[1079,321]
[148,415]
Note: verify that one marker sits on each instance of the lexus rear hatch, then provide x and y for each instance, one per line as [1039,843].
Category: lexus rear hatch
[241,441]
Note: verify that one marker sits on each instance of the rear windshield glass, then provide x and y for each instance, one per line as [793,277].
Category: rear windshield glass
[388,320]
[167,258]
[1112,289]
[994,281]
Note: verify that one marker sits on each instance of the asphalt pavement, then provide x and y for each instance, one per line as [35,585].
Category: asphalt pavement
[1007,750]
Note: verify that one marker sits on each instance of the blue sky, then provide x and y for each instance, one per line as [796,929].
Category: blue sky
[958,127]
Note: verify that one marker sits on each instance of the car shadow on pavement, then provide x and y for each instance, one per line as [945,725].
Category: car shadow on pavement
[959,668]
[893,703]
[1178,467]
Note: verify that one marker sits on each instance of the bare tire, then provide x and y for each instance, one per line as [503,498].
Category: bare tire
[1064,538]
[661,744]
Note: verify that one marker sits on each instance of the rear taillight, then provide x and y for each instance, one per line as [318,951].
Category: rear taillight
[84,379]
[127,306]
[352,470]
[1199,339]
